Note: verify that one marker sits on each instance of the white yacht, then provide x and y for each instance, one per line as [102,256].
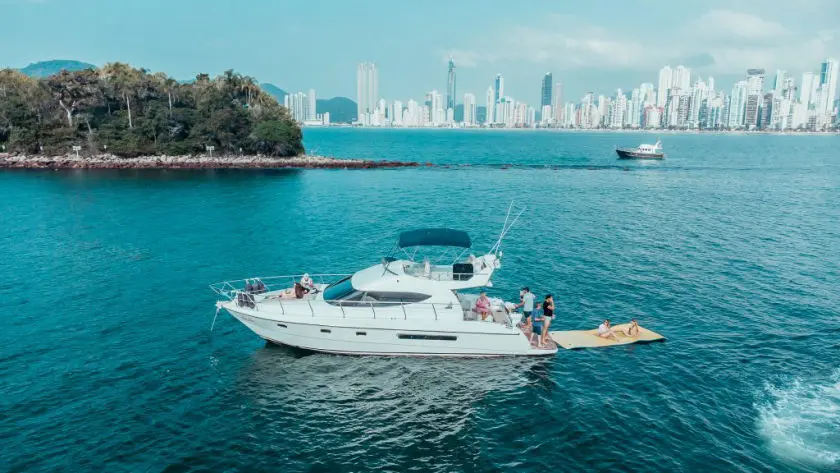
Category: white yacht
[400,306]
[644,151]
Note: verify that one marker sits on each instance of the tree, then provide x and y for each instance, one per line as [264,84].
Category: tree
[74,91]
[277,138]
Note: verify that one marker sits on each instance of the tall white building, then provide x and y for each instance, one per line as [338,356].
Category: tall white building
[531,116]
[498,95]
[681,77]
[665,78]
[806,89]
[647,94]
[491,106]
[546,117]
[635,112]
[397,113]
[311,108]
[779,82]
[557,106]
[618,110]
[737,105]
[437,112]
[367,89]
[413,114]
[569,116]
[828,85]
[700,93]
[298,106]
[469,109]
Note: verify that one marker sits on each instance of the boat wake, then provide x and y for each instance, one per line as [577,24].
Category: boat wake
[801,420]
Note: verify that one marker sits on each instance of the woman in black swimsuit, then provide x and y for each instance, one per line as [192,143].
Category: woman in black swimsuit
[548,313]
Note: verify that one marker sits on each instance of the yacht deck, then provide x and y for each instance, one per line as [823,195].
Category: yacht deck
[549,345]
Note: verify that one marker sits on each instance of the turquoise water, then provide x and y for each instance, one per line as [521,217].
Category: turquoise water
[730,248]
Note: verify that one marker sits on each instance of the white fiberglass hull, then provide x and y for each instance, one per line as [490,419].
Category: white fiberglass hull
[387,337]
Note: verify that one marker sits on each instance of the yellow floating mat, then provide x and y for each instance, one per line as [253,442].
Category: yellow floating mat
[572,339]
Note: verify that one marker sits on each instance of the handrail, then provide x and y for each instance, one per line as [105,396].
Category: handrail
[229,288]
[235,291]
[368,309]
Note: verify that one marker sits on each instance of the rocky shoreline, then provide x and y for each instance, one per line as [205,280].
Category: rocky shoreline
[110,161]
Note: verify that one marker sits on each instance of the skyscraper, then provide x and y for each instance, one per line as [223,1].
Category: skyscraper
[681,78]
[298,106]
[558,102]
[311,108]
[546,90]
[491,105]
[806,88]
[498,93]
[755,88]
[450,85]
[665,77]
[779,82]
[737,105]
[499,87]
[367,89]
[828,84]
[469,109]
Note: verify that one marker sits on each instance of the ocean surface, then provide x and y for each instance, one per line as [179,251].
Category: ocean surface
[730,248]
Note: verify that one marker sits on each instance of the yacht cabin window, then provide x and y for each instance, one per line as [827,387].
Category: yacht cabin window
[344,293]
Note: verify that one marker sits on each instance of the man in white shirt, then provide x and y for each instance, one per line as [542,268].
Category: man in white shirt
[605,331]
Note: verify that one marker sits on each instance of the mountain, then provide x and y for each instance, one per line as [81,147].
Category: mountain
[48,68]
[341,109]
[277,92]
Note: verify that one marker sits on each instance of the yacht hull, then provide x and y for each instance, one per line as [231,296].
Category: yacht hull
[632,154]
[387,337]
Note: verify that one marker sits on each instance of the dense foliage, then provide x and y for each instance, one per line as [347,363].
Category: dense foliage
[131,112]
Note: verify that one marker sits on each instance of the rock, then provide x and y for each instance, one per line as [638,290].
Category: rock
[109,161]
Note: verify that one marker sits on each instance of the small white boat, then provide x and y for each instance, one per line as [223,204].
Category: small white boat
[644,151]
[400,306]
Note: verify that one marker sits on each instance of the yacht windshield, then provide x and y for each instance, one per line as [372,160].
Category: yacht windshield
[342,291]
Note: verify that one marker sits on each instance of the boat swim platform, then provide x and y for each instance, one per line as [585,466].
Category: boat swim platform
[576,339]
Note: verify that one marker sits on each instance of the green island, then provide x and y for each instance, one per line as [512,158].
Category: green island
[130,112]
[121,116]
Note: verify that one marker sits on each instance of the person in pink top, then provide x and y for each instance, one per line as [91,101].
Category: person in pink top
[482,305]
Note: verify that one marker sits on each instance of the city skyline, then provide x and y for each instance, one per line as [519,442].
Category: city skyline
[584,51]
[675,102]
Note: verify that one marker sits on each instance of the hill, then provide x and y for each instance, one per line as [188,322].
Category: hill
[48,68]
[277,92]
[341,109]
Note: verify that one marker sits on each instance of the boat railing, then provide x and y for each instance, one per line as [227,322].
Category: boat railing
[236,291]
[390,310]
[230,289]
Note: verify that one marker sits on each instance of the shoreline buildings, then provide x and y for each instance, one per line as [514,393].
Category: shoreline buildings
[678,101]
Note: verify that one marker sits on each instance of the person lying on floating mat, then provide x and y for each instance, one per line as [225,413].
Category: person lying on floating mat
[605,330]
[604,336]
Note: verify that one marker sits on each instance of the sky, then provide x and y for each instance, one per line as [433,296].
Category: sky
[596,45]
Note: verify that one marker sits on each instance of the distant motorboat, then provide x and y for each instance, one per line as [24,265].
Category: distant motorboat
[644,151]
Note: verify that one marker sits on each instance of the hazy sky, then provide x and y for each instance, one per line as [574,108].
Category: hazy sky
[596,45]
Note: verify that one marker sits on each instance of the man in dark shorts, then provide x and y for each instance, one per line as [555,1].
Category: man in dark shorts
[537,327]
[526,301]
